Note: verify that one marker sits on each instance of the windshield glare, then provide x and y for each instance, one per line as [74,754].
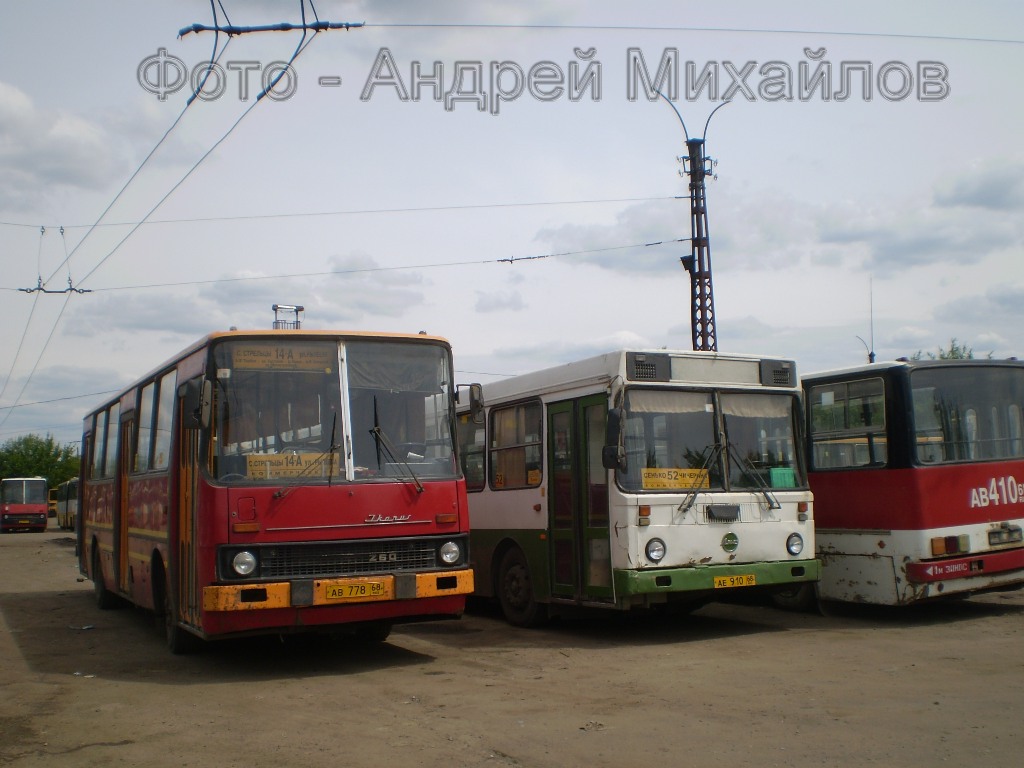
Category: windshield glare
[280,413]
[968,414]
[24,491]
[683,441]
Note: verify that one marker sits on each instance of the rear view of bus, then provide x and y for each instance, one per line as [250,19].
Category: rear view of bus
[23,504]
[281,481]
[917,470]
[647,480]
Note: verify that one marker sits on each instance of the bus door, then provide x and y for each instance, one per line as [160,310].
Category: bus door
[182,540]
[121,507]
[84,468]
[580,554]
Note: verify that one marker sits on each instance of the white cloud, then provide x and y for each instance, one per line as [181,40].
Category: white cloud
[45,148]
[996,185]
[498,301]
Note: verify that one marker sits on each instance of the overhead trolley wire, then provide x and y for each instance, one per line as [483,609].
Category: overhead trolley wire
[216,28]
[361,270]
[367,211]
[299,48]
[699,30]
[214,58]
[39,357]
[41,285]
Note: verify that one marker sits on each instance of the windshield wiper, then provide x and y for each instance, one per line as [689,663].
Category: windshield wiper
[384,443]
[751,470]
[691,494]
[295,482]
[334,446]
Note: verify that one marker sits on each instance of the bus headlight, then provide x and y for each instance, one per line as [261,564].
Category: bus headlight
[795,544]
[450,553]
[655,550]
[244,563]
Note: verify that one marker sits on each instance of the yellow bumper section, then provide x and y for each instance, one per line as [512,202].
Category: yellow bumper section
[362,589]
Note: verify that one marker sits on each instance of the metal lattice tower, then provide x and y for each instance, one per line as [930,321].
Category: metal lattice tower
[698,263]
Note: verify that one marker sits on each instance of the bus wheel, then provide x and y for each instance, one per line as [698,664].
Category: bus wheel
[515,591]
[373,632]
[105,599]
[179,641]
[798,598]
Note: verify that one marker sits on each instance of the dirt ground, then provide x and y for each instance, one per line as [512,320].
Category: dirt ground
[733,685]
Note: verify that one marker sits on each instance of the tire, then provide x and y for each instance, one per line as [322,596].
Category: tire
[105,599]
[373,632]
[515,591]
[678,609]
[800,598]
[179,641]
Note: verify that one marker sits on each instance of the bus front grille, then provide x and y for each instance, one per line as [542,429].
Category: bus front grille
[349,558]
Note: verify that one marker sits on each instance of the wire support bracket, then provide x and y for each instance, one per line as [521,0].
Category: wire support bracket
[39,288]
[232,29]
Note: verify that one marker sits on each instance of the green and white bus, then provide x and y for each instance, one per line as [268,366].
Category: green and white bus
[638,480]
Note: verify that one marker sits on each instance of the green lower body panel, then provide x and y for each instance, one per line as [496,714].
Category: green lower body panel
[699,578]
[487,545]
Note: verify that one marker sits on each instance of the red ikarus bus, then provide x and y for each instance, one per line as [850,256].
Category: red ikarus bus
[917,470]
[280,481]
[23,504]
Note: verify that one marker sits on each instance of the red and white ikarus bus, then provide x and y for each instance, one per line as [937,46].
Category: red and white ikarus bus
[280,481]
[917,470]
[23,504]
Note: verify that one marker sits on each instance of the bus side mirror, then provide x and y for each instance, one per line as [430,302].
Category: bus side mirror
[196,403]
[613,455]
[476,402]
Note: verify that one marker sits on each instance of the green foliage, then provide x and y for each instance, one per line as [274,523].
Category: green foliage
[956,351]
[34,456]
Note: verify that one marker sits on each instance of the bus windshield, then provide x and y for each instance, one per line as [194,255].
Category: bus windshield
[967,414]
[280,411]
[22,491]
[685,440]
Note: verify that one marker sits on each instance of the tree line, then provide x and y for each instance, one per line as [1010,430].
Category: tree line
[35,456]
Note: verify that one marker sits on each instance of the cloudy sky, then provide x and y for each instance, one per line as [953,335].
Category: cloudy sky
[540,229]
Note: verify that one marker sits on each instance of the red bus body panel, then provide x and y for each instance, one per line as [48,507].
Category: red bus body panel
[870,517]
[916,499]
[23,517]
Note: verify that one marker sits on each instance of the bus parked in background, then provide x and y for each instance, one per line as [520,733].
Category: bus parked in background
[67,504]
[51,503]
[638,480]
[917,469]
[23,504]
[280,481]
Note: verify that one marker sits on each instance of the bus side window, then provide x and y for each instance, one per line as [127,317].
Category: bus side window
[971,433]
[515,450]
[143,445]
[109,462]
[848,425]
[98,446]
[162,423]
[1015,432]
